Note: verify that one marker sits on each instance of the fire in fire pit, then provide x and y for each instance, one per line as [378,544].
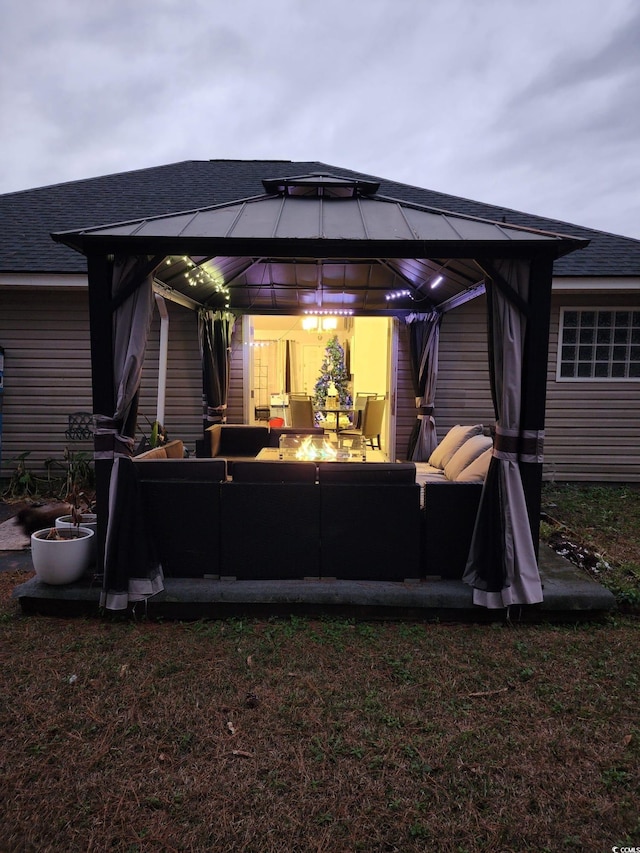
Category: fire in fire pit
[322,448]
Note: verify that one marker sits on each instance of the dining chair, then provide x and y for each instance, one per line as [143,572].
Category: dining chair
[301,411]
[358,405]
[371,422]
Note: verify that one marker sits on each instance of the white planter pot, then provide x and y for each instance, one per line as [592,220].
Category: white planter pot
[90,521]
[59,561]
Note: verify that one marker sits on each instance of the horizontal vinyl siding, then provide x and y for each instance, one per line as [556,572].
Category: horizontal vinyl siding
[47,373]
[463,392]
[592,428]
[183,407]
[235,403]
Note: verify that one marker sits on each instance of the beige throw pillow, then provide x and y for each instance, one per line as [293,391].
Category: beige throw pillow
[452,441]
[476,472]
[470,450]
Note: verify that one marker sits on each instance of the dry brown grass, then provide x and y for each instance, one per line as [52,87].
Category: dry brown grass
[303,735]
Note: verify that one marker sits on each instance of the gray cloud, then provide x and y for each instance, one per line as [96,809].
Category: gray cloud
[532,106]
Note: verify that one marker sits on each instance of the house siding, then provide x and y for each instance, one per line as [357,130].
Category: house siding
[47,372]
[45,334]
[183,408]
[592,428]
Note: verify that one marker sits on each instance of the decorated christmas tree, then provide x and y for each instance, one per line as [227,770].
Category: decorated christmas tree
[333,379]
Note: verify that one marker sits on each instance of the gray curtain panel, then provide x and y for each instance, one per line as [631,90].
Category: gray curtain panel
[214,336]
[424,339]
[131,323]
[502,565]
[131,573]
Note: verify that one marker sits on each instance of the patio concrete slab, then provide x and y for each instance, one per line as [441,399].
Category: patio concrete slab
[569,595]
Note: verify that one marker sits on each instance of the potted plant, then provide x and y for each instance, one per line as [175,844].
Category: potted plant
[82,508]
[61,555]
[82,512]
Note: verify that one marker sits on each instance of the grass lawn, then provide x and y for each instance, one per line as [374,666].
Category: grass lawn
[597,527]
[329,736]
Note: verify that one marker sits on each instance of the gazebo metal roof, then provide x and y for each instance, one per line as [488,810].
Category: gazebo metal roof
[320,242]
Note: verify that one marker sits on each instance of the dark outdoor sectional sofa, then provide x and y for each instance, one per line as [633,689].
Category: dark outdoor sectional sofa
[246,519]
[282,520]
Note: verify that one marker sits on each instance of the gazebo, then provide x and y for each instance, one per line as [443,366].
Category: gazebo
[324,242]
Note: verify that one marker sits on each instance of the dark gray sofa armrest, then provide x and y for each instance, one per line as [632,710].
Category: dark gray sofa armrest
[448,518]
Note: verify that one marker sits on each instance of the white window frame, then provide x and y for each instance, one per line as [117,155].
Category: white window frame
[561,331]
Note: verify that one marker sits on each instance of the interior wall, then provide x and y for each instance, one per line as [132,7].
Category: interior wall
[268,342]
[370,354]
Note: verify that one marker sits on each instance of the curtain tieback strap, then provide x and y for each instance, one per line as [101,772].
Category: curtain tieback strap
[423,410]
[108,442]
[513,445]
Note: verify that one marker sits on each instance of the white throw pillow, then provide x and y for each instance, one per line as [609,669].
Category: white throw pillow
[452,441]
[477,471]
[465,455]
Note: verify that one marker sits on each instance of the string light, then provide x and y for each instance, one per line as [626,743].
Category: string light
[324,320]
[202,276]
[338,312]
[397,294]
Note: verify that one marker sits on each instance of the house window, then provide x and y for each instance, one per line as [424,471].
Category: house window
[598,344]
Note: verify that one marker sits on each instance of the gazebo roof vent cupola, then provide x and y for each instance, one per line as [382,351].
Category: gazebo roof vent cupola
[320,185]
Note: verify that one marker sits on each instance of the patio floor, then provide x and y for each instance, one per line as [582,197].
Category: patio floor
[570,595]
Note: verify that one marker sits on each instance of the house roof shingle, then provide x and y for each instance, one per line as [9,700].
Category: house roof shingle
[28,218]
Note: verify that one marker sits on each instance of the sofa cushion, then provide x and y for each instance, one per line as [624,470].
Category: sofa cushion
[154,453]
[476,472]
[174,449]
[237,440]
[452,441]
[426,473]
[465,455]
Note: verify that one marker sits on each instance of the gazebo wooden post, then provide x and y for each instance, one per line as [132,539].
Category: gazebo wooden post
[100,273]
[534,382]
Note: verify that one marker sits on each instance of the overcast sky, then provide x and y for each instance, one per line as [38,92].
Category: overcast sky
[531,104]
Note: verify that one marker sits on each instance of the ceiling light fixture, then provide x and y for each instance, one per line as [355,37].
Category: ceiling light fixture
[323,321]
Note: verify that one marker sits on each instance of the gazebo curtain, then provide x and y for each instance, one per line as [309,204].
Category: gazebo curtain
[132,293]
[214,335]
[424,338]
[502,565]
[130,571]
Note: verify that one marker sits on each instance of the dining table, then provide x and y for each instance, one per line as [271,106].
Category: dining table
[344,417]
